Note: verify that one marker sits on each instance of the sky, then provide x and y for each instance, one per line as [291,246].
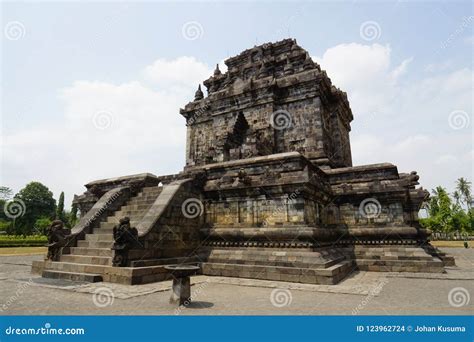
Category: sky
[92,90]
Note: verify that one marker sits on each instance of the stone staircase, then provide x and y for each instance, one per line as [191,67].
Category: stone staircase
[91,260]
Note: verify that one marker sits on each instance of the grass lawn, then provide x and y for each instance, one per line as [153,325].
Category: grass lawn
[22,250]
[441,243]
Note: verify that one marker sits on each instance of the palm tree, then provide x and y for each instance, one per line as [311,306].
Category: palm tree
[463,186]
[457,197]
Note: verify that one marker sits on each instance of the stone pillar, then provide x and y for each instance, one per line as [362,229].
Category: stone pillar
[181,291]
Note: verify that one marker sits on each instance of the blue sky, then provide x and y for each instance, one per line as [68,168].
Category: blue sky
[72,62]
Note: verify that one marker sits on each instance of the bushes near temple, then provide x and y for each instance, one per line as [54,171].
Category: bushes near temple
[22,241]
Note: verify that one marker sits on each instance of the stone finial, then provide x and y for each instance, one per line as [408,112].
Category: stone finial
[198,95]
[217,72]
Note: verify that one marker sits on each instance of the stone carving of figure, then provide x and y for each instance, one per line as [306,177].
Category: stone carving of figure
[57,238]
[125,237]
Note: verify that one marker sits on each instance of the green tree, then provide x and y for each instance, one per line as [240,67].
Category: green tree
[457,197]
[463,187]
[5,193]
[446,215]
[60,214]
[42,224]
[37,201]
[442,207]
[73,215]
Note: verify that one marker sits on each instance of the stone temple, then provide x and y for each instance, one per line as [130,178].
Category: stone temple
[268,191]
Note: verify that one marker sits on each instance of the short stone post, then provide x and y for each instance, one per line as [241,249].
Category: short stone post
[181,291]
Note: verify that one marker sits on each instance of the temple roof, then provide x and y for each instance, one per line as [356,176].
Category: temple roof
[277,59]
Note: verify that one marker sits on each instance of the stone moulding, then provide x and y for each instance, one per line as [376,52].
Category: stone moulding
[315,234]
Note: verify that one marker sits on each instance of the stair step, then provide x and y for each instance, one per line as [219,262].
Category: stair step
[95,244]
[307,259]
[107,252]
[100,237]
[103,230]
[86,259]
[130,213]
[291,274]
[433,266]
[337,268]
[77,268]
[87,277]
[145,197]
[132,206]
[141,201]
[113,221]
[145,194]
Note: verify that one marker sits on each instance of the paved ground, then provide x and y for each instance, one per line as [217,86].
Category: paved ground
[362,293]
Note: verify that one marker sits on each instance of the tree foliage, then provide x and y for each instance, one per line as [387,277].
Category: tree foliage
[73,215]
[60,214]
[38,202]
[448,215]
[5,193]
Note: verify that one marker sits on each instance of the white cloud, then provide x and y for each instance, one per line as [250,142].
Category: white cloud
[401,69]
[365,73]
[437,67]
[183,71]
[469,40]
[446,159]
